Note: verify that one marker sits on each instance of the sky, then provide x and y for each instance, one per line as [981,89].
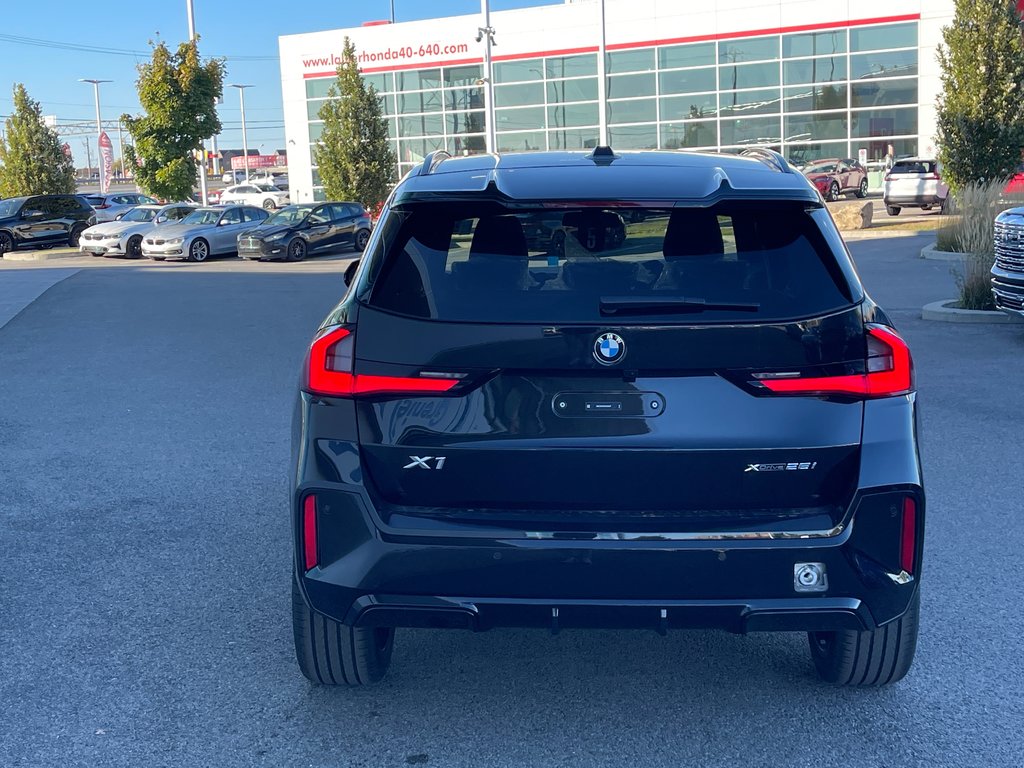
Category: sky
[244,32]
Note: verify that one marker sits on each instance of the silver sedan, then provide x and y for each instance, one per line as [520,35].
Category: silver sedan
[204,233]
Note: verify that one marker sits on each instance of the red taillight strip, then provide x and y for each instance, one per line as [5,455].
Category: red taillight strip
[908,541]
[897,380]
[309,548]
[322,379]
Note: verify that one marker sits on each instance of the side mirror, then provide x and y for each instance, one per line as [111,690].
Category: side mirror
[350,272]
[120,216]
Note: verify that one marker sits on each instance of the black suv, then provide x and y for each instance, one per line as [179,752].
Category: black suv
[707,423]
[43,221]
[297,231]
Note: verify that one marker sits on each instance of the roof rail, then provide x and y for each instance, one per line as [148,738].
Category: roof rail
[432,160]
[770,158]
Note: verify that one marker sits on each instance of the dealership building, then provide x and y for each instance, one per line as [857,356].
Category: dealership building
[813,79]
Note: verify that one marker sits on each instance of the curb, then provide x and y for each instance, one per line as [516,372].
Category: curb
[50,254]
[877,234]
[944,312]
[931,252]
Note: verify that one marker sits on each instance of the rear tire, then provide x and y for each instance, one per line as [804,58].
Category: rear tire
[331,653]
[892,210]
[868,659]
[833,192]
[862,190]
[75,236]
[6,243]
[361,239]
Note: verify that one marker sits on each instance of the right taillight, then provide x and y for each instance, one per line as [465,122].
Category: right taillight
[329,372]
[888,371]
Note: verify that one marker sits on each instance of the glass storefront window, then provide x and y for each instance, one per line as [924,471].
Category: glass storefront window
[571,66]
[739,103]
[421,125]
[583,89]
[521,142]
[313,108]
[382,81]
[464,122]
[690,106]
[518,71]
[519,119]
[754,130]
[701,133]
[807,98]
[687,81]
[635,111]
[518,95]
[316,130]
[692,55]
[882,37]
[417,79]
[813,43]
[573,115]
[424,101]
[818,126]
[318,88]
[411,150]
[585,138]
[634,137]
[630,61]
[464,98]
[883,122]
[748,49]
[879,93]
[804,153]
[889,64]
[823,69]
[749,75]
[626,86]
[462,76]
[467,145]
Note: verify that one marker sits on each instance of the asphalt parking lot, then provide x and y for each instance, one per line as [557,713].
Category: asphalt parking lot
[144,581]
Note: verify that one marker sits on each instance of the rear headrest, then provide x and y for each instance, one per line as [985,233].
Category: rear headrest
[499,236]
[693,232]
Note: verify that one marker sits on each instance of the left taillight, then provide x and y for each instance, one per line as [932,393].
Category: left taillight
[888,371]
[329,372]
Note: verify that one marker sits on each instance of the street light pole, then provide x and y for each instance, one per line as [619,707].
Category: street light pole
[245,142]
[202,164]
[99,128]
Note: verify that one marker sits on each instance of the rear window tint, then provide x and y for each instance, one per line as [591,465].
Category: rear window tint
[914,167]
[447,262]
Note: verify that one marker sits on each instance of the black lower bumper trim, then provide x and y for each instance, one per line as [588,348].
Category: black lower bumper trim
[741,616]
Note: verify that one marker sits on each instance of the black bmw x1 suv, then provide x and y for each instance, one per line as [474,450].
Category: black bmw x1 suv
[642,390]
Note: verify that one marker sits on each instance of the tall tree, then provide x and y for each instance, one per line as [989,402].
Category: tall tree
[32,157]
[178,92]
[355,159]
[981,106]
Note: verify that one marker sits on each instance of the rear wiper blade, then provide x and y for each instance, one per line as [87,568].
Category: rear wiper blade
[611,305]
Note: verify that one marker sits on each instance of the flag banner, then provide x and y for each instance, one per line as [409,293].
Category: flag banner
[106,162]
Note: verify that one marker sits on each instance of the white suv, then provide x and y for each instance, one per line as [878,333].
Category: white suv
[267,197]
[913,183]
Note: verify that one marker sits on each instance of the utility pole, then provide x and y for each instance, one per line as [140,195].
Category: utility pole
[99,127]
[202,164]
[88,159]
[602,83]
[486,34]
[392,11]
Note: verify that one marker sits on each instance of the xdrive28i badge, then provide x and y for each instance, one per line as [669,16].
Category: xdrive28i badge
[609,348]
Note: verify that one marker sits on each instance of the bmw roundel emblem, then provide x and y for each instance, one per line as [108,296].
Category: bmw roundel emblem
[609,348]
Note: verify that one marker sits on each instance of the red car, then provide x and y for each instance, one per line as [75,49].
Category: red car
[836,177]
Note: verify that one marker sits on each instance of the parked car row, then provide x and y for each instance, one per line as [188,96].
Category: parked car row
[185,231]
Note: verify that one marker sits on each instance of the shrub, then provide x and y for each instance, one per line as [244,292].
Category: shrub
[973,235]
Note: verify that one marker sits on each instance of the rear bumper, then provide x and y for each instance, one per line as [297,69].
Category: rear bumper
[911,201]
[373,577]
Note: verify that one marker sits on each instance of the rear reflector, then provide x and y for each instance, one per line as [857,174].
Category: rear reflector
[909,538]
[889,371]
[330,372]
[309,547]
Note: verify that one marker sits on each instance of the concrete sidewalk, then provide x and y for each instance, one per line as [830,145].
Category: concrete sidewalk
[19,288]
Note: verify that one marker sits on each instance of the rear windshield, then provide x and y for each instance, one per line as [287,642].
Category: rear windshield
[913,166]
[586,264]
